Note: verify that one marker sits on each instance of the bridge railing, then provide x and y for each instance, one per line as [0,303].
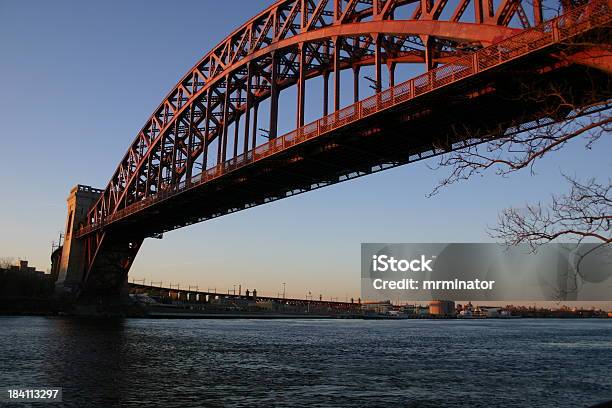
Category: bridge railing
[577,21]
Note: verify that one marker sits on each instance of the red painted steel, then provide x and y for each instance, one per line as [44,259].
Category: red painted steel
[285,45]
[527,41]
[264,51]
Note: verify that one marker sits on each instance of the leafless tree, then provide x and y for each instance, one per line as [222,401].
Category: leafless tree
[517,151]
[585,212]
[6,262]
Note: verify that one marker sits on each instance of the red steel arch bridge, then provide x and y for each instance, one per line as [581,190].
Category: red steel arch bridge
[213,146]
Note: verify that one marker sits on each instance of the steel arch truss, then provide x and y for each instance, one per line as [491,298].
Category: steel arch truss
[211,116]
[291,41]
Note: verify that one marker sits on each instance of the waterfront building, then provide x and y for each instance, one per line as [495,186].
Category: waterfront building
[442,308]
[383,307]
[21,279]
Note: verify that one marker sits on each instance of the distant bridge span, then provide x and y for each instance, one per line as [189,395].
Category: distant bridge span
[199,155]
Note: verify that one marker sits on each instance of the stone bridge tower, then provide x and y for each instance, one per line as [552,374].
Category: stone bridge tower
[72,261]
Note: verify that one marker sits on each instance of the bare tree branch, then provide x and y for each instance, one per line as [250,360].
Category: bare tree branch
[516,151]
[584,212]
[6,262]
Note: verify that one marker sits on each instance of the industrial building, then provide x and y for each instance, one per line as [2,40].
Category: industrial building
[442,308]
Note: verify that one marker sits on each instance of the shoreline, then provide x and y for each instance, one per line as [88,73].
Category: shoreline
[278,316]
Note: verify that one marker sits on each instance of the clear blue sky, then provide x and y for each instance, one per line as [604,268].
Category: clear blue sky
[79,79]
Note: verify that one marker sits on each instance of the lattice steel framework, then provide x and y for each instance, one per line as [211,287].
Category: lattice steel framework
[283,46]
[208,123]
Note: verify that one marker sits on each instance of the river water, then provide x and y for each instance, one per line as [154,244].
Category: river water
[315,363]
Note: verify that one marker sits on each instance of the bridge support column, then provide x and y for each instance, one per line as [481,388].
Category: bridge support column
[72,262]
[237,125]
[537,12]
[478,14]
[325,93]
[274,94]
[356,70]
[391,66]
[301,87]
[222,148]
[205,153]
[247,110]
[254,132]
[337,70]
[429,52]
[377,63]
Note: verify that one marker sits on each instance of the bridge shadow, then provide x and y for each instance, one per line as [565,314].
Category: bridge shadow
[87,359]
[118,362]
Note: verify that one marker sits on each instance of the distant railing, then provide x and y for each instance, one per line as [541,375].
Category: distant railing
[577,21]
